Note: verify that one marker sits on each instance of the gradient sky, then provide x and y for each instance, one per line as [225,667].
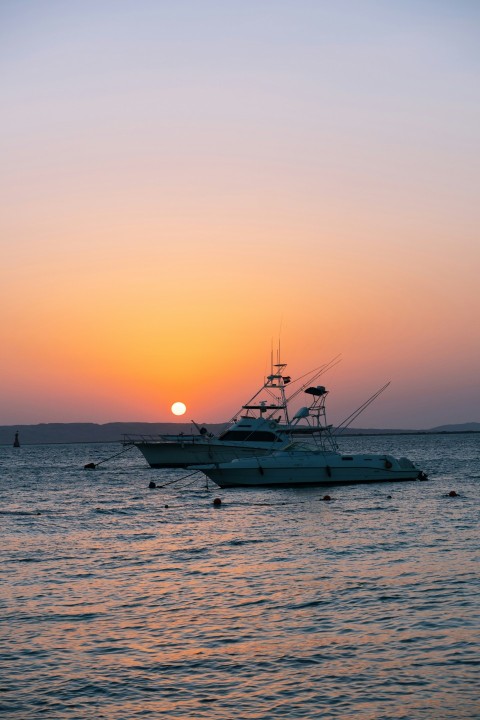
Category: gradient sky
[182,182]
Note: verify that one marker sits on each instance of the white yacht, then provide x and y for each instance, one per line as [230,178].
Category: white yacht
[263,426]
[299,464]
[296,465]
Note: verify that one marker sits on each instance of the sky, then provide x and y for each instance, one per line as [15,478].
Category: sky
[184,185]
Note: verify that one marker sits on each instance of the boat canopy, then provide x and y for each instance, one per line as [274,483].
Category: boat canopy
[318,390]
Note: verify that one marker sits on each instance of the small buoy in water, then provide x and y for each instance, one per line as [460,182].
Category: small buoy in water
[152,485]
[90,466]
[167,506]
[326,498]
[452,493]
[217,502]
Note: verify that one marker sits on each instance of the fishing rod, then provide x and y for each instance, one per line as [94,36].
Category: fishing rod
[312,376]
[348,421]
[317,373]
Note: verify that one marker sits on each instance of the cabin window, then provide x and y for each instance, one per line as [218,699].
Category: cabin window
[347,457]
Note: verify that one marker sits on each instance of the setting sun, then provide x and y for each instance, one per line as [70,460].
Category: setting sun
[179,408]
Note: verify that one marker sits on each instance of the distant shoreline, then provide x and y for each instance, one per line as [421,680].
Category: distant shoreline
[112,433]
[374,433]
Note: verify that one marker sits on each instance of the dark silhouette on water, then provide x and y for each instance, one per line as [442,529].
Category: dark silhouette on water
[16,442]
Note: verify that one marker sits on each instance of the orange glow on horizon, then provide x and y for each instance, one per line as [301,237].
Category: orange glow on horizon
[157,237]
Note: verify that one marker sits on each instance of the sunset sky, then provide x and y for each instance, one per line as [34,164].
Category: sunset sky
[182,183]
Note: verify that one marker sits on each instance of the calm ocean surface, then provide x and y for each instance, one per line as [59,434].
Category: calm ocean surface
[122,602]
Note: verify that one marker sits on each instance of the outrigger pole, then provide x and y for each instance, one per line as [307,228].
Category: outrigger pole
[348,421]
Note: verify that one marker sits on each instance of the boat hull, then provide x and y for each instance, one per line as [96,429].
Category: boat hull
[326,469]
[182,455]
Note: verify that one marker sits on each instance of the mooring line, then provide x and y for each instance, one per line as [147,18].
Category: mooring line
[176,480]
[92,466]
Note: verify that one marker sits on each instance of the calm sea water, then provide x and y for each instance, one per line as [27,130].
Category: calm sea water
[122,602]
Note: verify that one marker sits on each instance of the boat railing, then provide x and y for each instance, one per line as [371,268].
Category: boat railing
[135,439]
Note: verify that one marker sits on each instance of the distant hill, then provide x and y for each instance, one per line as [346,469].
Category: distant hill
[47,433]
[459,428]
[463,427]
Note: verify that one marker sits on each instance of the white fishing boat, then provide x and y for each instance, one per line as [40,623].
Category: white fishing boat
[297,465]
[262,426]
[300,464]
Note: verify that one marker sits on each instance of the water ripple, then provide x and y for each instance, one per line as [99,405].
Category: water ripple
[127,603]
